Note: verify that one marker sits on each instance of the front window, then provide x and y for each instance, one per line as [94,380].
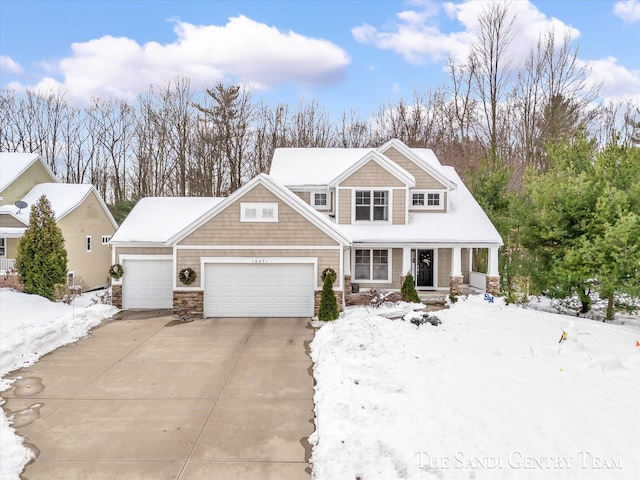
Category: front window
[320,200]
[418,200]
[2,247]
[427,200]
[433,199]
[372,205]
[372,265]
[259,212]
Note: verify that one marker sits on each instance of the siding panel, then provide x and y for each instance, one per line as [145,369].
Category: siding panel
[423,179]
[371,175]
[444,267]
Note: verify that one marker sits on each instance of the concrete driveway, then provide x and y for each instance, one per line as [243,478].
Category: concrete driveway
[145,397]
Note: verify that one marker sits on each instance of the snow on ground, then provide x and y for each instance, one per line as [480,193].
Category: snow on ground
[488,394]
[30,327]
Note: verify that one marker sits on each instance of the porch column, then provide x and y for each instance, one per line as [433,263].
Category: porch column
[493,272]
[347,261]
[455,285]
[406,261]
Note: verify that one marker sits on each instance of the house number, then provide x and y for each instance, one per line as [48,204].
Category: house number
[259,260]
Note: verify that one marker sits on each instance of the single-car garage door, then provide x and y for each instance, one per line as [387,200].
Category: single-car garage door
[147,284]
[259,290]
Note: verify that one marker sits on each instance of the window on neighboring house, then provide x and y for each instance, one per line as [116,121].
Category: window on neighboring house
[106,239]
[2,247]
[320,200]
[70,279]
[258,212]
[88,243]
[433,199]
[372,205]
[372,264]
[418,200]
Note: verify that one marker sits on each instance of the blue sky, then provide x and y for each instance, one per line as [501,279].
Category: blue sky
[346,54]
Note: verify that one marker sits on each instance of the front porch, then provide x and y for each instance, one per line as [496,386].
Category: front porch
[441,269]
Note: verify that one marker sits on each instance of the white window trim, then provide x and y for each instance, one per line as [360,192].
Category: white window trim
[260,207]
[425,206]
[88,244]
[389,265]
[371,190]
[106,239]
[71,274]
[320,207]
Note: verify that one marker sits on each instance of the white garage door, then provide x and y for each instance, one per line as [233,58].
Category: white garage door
[259,290]
[147,284]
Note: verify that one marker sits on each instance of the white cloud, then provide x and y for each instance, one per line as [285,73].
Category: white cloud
[617,82]
[628,11]
[11,66]
[417,36]
[242,50]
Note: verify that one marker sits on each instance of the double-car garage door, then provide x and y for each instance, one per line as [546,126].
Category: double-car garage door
[258,290]
[231,289]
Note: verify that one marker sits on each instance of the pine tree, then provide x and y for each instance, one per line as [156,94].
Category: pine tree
[328,304]
[42,258]
[409,293]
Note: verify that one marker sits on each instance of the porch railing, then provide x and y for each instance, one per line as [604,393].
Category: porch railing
[478,280]
[7,264]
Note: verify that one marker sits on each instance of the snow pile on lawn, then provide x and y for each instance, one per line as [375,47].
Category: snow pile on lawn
[489,393]
[30,327]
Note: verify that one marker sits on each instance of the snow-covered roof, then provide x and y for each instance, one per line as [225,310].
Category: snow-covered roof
[157,219]
[12,232]
[295,202]
[312,166]
[391,167]
[64,198]
[13,164]
[465,223]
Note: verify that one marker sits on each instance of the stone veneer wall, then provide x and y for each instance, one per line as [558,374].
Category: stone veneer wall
[455,285]
[493,285]
[188,305]
[318,295]
[116,296]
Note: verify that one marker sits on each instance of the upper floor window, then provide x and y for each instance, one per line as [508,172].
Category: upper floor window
[427,200]
[88,244]
[372,205]
[320,200]
[106,239]
[258,212]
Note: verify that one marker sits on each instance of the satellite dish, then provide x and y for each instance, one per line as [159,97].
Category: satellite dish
[20,204]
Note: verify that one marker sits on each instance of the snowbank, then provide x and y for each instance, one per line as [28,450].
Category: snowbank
[490,393]
[30,327]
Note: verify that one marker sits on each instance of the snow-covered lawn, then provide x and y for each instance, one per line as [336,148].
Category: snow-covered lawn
[490,393]
[30,327]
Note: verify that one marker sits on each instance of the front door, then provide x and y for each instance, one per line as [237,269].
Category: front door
[424,268]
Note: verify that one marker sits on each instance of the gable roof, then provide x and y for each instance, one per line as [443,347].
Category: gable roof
[12,165]
[391,167]
[312,166]
[318,167]
[280,191]
[64,198]
[464,223]
[424,158]
[157,219]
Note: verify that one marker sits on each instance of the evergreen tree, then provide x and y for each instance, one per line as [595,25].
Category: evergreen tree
[409,293]
[42,258]
[328,304]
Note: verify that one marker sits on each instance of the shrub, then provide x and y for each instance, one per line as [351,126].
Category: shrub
[42,258]
[328,304]
[409,292]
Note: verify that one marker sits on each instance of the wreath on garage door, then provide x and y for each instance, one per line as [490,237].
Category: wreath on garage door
[116,271]
[187,275]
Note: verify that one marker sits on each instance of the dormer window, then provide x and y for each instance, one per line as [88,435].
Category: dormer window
[320,200]
[427,200]
[258,212]
[372,205]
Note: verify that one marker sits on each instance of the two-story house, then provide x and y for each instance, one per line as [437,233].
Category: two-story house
[372,215]
[83,217]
